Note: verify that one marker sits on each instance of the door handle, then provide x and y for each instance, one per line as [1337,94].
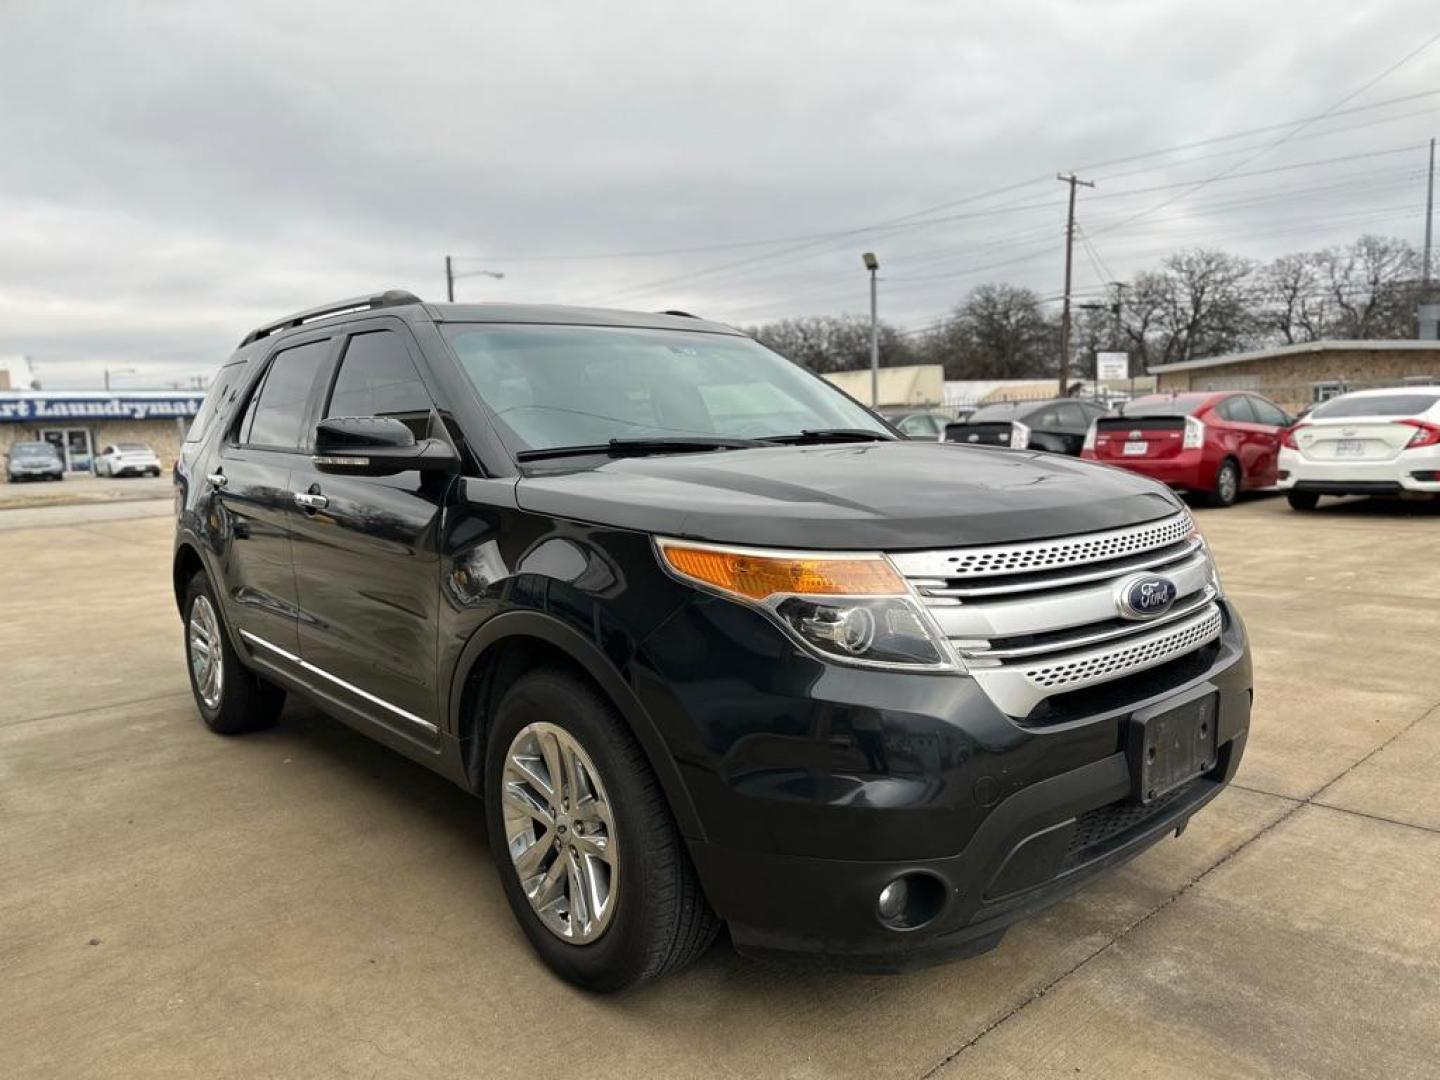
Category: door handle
[311,502]
[217,479]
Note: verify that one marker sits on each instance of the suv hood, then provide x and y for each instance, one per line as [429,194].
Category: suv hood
[874,496]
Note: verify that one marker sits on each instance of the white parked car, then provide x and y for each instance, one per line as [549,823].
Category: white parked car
[127,459]
[1370,442]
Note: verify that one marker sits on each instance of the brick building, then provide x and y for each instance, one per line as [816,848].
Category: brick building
[1297,376]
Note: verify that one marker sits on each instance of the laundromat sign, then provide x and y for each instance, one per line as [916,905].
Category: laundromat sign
[37,407]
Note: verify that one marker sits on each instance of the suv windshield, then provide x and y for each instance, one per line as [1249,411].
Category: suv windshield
[1376,405]
[559,386]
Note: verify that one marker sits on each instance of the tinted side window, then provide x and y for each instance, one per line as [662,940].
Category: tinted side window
[1073,416]
[277,412]
[221,390]
[378,378]
[1236,409]
[1045,420]
[1265,413]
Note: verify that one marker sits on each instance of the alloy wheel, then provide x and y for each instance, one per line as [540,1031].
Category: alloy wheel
[207,655]
[560,832]
[1228,483]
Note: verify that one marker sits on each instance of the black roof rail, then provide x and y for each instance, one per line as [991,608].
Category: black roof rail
[389,298]
[679,314]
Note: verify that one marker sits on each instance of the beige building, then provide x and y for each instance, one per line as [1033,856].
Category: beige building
[1297,376]
[81,423]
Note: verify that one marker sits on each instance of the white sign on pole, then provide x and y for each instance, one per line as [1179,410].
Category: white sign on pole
[1112,365]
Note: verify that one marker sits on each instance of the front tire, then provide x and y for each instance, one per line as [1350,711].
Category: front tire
[1227,484]
[231,698]
[1302,500]
[588,854]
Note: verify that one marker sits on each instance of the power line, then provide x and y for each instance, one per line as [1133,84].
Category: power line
[846,232]
[806,250]
[1328,114]
[1286,137]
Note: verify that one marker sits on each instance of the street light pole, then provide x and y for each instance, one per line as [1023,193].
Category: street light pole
[451,277]
[116,371]
[873,265]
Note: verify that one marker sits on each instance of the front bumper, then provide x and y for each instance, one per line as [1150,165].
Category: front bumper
[1008,825]
[1349,477]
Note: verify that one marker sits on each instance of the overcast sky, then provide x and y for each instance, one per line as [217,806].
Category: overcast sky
[172,174]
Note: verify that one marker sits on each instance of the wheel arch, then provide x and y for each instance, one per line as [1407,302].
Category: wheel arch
[514,642]
[186,564]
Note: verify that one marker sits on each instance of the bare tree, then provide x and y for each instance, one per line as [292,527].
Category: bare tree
[1292,301]
[997,332]
[1372,286]
[1093,332]
[1195,305]
[825,343]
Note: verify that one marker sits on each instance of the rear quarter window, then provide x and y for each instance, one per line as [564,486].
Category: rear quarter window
[215,402]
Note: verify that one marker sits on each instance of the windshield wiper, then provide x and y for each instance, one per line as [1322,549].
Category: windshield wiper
[639,446]
[831,435]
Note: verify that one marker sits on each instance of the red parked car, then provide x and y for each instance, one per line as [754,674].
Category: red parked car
[1215,444]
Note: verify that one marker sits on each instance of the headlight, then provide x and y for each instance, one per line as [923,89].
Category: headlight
[851,607]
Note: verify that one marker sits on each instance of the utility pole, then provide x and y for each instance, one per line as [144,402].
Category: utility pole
[1073,181]
[449,281]
[873,264]
[1429,215]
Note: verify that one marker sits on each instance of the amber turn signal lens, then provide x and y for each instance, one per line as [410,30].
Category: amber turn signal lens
[756,577]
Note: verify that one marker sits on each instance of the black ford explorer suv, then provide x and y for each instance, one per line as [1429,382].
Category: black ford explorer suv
[710,642]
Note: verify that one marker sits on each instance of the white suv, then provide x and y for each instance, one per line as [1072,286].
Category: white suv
[1370,442]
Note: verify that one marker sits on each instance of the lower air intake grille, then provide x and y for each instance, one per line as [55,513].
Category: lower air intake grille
[1096,830]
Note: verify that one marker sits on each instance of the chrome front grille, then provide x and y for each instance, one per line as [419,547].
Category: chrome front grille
[1112,662]
[1036,619]
[1050,554]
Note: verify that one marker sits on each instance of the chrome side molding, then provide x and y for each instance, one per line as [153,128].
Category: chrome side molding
[256,639]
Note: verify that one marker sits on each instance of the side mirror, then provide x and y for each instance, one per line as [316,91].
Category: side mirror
[376,446]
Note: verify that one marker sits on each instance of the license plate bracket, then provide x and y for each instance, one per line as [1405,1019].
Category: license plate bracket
[1136,448]
[1173,743]
[1349,447]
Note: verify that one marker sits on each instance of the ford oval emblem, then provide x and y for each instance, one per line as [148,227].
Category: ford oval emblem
[1144,596]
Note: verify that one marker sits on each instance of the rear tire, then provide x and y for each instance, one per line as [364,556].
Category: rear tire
[231,698]
[660,920]
[1302,500]
[1227,484]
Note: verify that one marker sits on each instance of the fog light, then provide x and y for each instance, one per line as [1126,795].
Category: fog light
[911,900]
[893,900]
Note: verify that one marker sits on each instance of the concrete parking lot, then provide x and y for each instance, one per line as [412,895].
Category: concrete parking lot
[84,488]
[303,903]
